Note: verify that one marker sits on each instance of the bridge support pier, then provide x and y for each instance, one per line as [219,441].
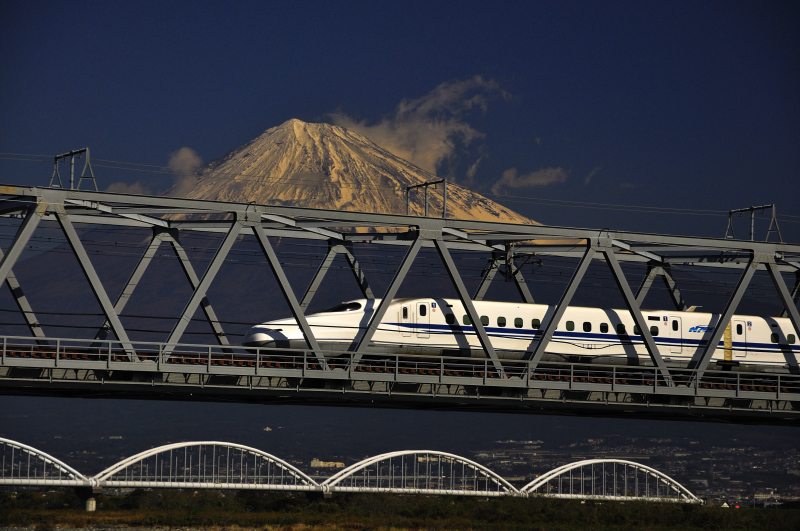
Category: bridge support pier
[87,497]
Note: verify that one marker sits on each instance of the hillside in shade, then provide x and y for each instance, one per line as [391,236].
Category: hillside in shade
[325,166]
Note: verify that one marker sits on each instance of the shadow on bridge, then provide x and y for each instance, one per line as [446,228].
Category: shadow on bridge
[230,466]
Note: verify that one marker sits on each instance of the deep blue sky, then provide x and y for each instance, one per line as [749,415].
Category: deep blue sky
[671,104]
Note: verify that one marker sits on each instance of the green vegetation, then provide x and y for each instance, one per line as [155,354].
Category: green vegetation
[288,512]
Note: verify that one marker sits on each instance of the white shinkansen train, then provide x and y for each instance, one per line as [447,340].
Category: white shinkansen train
[442,327]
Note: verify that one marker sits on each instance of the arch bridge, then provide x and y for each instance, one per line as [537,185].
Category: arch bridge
[230,466]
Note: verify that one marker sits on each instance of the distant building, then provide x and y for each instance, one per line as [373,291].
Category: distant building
[316,463]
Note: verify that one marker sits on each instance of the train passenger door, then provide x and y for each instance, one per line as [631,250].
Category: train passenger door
[405,321]
[675,334]
[423,320]
[739,338]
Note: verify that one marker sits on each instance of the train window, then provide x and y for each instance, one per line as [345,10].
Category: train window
[466,320]
[604,328]
[773,337]
[570,326]
[536,323]
[423,310]
[485,320]
[501,321]
[739,329]
[346,307]
[636,330]
[653,318]
[790,339]
[675,324]
[587,326]
[450,318]
[621,329]
[518,322]
[405,312]
[654,330]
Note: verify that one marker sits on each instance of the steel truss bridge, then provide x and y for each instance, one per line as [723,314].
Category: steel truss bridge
[229,466]
[112,365]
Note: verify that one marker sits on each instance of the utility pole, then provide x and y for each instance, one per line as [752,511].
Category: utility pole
[729,234]
[72,155]
[426,185]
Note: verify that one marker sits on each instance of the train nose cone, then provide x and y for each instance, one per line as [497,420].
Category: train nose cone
[260,336]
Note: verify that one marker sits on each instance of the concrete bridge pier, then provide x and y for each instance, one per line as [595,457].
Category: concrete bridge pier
[87,497]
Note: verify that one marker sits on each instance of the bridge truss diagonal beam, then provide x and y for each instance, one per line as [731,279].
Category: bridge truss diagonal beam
[194,282]
[315,283]
[358,273]
[463,294]
[789,305]
[130,285]
[486,280]
[519,280]
[795,292]
[21,238]
[536,349]
[202,288]
[636,313]
[521,283]
[662,271]
[24,306]
[362,342]
[288,293]
[94,281]
[702,357]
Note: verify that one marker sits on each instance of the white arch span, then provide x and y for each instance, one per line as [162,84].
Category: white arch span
[556,472]
[21,473]
[180,476]
[456,483]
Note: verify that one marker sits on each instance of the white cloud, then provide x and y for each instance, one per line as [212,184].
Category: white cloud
[543,177]
[185,164]
[136,188]
[427,131]
[592,173]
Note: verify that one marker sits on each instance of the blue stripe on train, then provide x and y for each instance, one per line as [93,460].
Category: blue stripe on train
[520,333]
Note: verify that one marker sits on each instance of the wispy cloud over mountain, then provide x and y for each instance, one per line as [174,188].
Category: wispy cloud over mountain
[427,131]
[184,163]
[543,177]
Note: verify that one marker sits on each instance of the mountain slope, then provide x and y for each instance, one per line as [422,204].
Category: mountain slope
[324,166]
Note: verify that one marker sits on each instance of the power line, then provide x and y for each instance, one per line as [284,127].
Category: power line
[163,170]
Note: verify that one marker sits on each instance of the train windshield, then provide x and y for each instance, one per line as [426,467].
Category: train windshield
[346,307]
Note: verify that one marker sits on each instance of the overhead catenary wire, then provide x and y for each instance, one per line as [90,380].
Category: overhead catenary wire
[515,198]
